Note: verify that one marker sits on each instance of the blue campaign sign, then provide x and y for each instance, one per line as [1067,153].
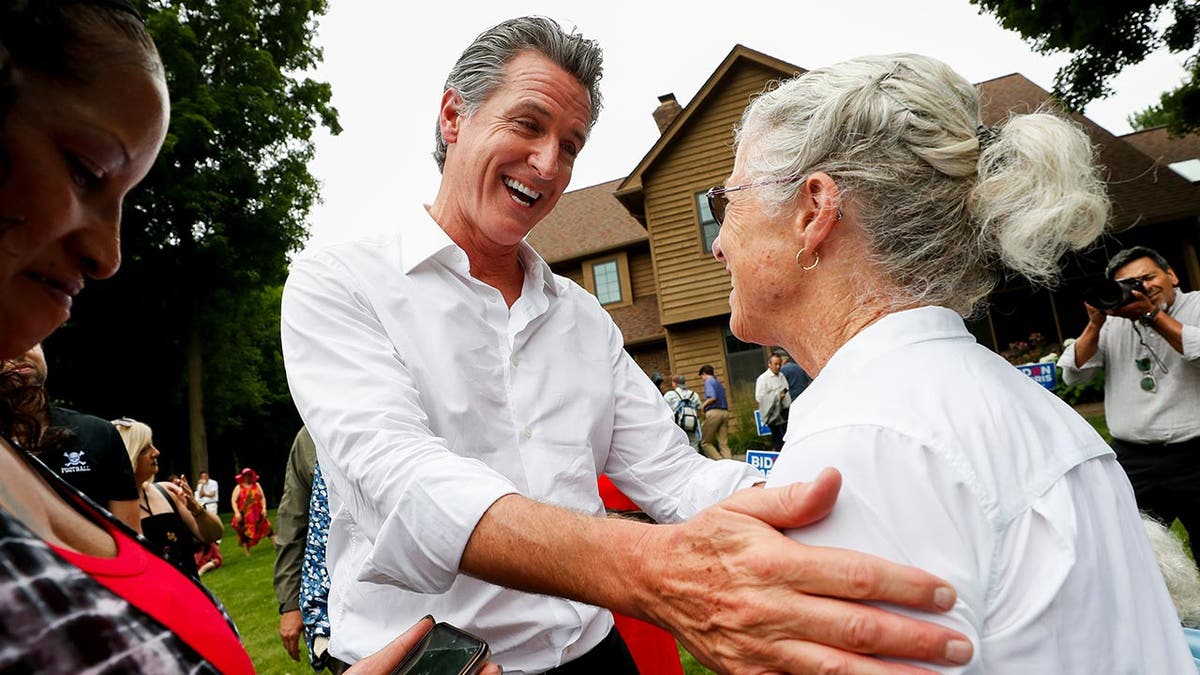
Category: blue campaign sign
[1042,373]
[763,430]
[762,460]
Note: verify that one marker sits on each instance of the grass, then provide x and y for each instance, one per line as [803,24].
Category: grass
[245,587]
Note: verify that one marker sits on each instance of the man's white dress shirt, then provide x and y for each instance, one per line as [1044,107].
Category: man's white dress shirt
[429,399]
[955,462]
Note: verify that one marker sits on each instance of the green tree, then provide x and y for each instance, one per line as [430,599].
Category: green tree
[1105,37]
[207,236]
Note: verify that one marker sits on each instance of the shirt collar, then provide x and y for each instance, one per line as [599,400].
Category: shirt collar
[536,268]
[423,239]
[892,332]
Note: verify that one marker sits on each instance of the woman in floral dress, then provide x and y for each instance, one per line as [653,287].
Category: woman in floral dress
[250,510]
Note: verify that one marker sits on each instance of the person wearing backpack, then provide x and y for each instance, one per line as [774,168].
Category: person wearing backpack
[685,404]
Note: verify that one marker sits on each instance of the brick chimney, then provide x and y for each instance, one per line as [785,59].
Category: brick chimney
[666,112]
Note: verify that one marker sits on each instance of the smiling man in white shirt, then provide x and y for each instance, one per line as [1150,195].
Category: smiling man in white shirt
[461,464]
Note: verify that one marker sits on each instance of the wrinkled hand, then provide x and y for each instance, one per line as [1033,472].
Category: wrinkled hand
[385,660]
[290,625]
[744,598]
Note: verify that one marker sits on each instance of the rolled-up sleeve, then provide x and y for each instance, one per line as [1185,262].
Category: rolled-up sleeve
[1191,344]
[651,460]
[395,487]
[1075,373]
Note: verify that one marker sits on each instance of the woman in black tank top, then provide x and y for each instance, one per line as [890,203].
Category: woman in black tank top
[172,539]
[172,520]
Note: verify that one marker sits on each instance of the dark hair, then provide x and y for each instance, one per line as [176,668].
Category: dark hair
[706,369]
[62,39]
[1126,256]
[58,38]
[21,406]
[480,68]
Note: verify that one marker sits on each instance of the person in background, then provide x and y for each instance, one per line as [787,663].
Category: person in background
[797,379]
[208,492]
[657,378]
[208,558]
[715,438]
[771,393]
[249,510]
[88,452]
[464,400]
[1149,350]
[685,406]
[172,520]
[314,580]
[869,210]
[292,519]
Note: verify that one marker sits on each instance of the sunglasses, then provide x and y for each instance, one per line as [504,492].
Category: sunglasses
[1148,383]
[718,202]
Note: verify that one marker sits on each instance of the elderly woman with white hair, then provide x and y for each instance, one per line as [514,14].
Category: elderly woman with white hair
[870,210]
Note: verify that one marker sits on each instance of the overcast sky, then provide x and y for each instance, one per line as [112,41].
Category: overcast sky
[387,60]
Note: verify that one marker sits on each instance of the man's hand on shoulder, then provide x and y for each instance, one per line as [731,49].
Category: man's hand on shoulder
[742,597]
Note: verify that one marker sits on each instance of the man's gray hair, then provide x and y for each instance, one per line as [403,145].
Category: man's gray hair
[680,381]
[944,201]
[480,69]
[1126,256]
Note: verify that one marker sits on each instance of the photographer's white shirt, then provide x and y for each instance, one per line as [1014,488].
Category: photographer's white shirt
[429,399]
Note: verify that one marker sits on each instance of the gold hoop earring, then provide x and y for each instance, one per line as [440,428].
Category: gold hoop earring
[816,260]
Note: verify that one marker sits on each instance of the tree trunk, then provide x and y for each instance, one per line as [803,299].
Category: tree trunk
[197,437]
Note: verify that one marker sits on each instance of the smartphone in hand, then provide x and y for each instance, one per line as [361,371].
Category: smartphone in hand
[445,650]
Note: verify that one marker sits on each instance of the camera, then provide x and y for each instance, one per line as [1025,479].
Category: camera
[1110,294]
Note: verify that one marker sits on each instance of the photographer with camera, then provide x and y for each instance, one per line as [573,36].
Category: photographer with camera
[1145,334]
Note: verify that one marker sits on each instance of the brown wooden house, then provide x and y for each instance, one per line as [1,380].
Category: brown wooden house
[655,224]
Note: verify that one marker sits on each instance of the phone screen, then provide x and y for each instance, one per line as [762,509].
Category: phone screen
[449,651]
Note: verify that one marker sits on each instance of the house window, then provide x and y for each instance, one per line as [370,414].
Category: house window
[746,362]
[608,279]
[708,225]
[607,282]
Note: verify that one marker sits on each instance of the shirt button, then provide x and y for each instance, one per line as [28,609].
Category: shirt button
[514,360]
[527,432]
